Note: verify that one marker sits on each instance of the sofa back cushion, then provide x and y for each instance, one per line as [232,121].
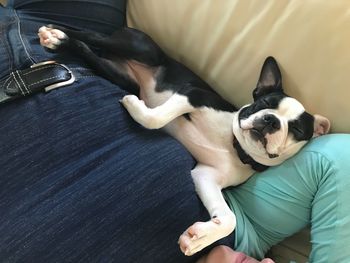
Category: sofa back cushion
[226,42]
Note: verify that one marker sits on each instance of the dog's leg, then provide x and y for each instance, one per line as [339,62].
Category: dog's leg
[223,221]
[158,117]
[125,43]
[57,40]
[55,37]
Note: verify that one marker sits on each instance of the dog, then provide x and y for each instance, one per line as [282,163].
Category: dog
[229,144]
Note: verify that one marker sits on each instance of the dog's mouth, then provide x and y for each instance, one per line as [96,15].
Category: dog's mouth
[257,132]
[257,135]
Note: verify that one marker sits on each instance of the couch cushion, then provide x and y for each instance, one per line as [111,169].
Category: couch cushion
[225,42]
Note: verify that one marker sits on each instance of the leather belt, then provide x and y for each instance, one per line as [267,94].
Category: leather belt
[44,76]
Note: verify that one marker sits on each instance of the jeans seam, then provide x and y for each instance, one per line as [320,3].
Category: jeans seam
[7,51]
[8,84]
[21,38]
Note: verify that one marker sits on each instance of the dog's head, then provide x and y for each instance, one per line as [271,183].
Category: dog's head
[275,126]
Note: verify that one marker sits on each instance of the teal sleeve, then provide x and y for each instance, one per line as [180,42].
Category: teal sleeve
[313,188]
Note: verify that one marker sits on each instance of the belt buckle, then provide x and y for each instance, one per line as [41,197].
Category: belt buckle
[60,84]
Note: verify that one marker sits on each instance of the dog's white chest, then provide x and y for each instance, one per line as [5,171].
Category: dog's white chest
[207,134]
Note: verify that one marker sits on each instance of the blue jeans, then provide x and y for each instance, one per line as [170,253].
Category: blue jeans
[79,180]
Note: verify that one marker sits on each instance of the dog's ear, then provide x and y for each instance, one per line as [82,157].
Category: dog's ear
[270,79]
[321,125]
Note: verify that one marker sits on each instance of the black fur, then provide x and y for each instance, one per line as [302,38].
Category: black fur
[131,44]
[302,128]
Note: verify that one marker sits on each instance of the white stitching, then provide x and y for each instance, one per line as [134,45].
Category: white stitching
[43,80]
[86,76]
[6,82]
[81,68]
[38,69]
[8,54]
[19,86]
[20,78]
[21,38]
[8,85]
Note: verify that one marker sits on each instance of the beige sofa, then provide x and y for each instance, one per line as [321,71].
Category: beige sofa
[226,41]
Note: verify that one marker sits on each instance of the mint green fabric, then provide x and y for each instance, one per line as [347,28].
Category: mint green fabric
[313,188]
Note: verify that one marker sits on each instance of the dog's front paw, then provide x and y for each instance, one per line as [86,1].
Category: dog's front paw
[51,38]
[137,109]
[202,234]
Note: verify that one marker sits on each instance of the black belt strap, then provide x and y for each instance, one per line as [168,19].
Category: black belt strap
[39,77]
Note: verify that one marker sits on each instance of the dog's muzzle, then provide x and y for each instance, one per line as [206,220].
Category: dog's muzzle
[267,124]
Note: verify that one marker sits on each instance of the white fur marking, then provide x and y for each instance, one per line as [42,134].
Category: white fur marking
[158,117]
[223,222]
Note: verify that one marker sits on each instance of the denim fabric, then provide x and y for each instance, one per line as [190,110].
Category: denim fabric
[19,23]
[102,16]
[79,180]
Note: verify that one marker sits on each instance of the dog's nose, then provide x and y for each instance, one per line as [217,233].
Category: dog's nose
[272,121]
[268,123]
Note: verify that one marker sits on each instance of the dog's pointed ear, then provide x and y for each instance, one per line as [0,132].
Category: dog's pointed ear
[321,125]
[270,79]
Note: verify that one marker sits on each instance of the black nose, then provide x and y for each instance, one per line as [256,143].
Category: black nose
[271,121]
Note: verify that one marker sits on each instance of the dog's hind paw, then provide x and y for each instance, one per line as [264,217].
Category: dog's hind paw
[50,37]
[202,234]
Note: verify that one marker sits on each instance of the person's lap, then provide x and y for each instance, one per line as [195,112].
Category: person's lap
[80,181]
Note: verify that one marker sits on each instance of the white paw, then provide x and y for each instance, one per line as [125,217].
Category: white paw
[138,110]
[202,234]
[134,106]
[51,38]
[147,117]
[131,101]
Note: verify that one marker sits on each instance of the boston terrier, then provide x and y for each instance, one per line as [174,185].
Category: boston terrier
[229,144]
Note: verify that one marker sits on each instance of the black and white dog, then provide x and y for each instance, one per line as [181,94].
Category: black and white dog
[228,143]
